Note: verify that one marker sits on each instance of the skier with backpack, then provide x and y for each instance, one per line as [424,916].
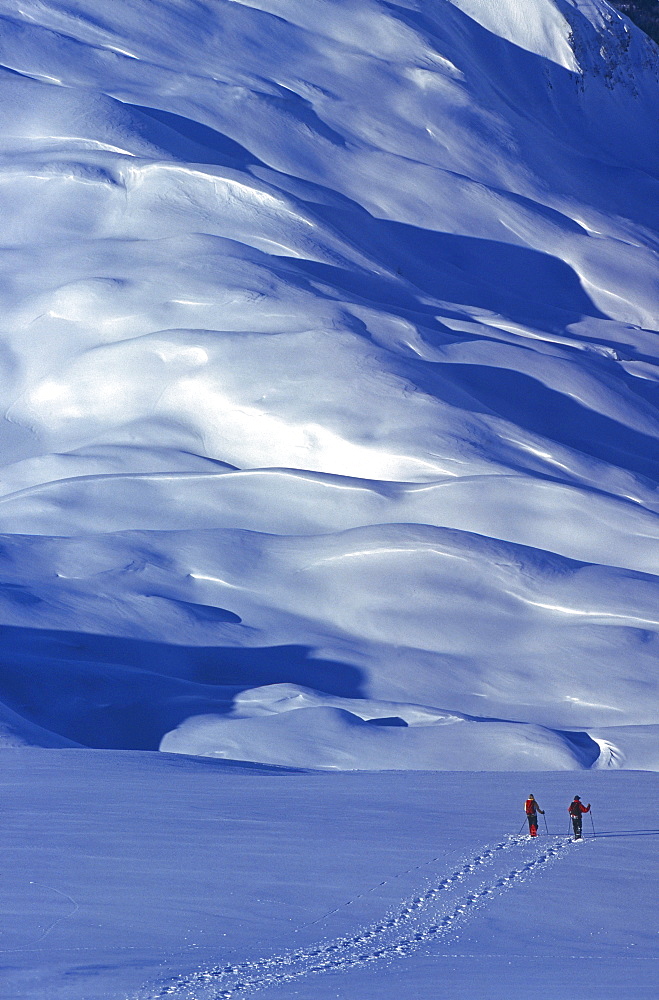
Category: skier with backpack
[576,810]
[532,809]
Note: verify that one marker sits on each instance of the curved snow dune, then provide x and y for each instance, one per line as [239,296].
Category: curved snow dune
[418,613]
[437,911]
[335,327]
[579,523]
[332,738]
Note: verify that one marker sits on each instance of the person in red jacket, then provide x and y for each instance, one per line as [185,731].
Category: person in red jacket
[576,810]
[532,809]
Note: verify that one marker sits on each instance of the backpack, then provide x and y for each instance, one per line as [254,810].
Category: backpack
[575,808]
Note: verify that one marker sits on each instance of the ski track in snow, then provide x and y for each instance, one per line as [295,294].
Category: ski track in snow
[431,914]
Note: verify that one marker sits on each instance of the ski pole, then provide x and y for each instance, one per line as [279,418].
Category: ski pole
[521,827]
[592,821]
[546,827]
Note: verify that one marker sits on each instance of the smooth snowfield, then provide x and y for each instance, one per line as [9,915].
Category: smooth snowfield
[132,876]
[329,359]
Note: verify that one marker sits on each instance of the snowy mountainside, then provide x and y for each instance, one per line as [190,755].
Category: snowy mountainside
[329,374]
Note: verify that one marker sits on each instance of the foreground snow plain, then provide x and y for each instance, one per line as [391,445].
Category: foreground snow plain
[136,876]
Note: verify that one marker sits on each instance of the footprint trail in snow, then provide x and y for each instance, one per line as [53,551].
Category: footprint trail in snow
[430,914]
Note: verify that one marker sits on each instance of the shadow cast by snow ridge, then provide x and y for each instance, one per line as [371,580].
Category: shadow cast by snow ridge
[532,405]
[190,140]
[109,692]
[443,265]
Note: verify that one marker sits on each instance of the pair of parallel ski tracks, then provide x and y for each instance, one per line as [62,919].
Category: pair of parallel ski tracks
[431,915]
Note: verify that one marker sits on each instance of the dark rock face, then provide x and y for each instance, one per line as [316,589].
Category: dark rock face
[644,13]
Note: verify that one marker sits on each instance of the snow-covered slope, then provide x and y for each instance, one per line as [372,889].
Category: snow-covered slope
[329,360]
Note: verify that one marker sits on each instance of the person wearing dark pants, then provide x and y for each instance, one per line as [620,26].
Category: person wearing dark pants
[532,809]
[576,811]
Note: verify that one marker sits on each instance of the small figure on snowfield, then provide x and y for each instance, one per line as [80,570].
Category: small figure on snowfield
[576,810]
[532,809]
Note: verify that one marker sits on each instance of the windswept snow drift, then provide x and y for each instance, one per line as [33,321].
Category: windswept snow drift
[329,360]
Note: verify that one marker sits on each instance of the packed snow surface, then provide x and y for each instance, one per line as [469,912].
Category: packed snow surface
[270,883]
[329,379]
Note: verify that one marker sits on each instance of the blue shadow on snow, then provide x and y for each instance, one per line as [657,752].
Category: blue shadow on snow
[108,692]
